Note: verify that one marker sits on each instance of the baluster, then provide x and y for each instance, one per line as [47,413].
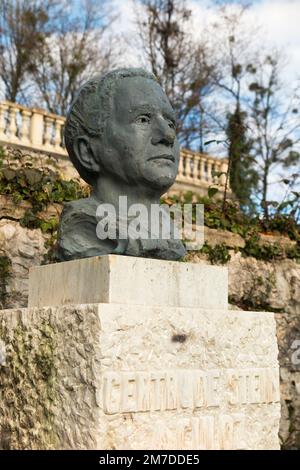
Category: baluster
[202,170]
[48,128]
[180,167]
[36,128]
[219,169]
[216,169]
[58,133]
[209,170]
[184,165]
[189,167]
[224,169]
[213,170]
[25,126]
[205,169]
[3,110]
[12,127]
[196,175]
[211,166]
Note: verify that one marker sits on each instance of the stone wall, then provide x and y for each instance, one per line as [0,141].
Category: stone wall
[253,285]
[20,248]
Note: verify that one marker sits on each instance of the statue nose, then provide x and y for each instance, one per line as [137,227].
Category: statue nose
[163,134]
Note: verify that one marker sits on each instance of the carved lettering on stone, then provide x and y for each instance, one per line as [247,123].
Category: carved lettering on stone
[133,392]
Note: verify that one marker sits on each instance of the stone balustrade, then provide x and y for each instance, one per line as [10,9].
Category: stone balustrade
[196,167]
[31,127]
[39,130]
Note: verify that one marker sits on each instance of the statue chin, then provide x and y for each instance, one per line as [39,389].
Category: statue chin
[160,179]
[161,183]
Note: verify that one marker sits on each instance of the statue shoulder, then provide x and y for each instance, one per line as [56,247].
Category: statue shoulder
[81,207]
[77,236]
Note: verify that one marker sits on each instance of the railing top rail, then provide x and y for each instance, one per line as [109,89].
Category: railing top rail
[10,104]
[187,152]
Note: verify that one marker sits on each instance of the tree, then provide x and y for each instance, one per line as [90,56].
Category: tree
[181,64]
[24,26]
[75,51]
[243,176]
[231,40]
[275,124]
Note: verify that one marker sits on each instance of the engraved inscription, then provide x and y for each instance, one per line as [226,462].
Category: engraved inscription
[222,432]
[131,392]
[253,386]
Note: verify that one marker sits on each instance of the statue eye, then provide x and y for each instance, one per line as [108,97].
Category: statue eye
[171,124]
[143,119]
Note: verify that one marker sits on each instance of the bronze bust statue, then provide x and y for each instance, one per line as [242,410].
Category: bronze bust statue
[120,134]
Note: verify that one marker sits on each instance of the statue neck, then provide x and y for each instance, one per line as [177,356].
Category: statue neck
[108,190]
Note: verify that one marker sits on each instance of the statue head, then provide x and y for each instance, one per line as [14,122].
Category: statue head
[121,126]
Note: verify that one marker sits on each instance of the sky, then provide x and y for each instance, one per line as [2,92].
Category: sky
[280,26]
[279,19]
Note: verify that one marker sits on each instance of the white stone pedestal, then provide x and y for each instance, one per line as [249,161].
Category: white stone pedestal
[147,357]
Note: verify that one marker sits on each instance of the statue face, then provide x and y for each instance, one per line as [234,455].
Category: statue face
[139,143]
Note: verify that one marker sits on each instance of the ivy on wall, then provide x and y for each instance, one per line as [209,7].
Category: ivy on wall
[232,219]
[39,188]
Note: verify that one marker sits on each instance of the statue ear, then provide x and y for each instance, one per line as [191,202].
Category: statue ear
[85,154]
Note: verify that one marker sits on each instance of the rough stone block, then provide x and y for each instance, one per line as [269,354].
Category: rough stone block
[109,376]
[218,237]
